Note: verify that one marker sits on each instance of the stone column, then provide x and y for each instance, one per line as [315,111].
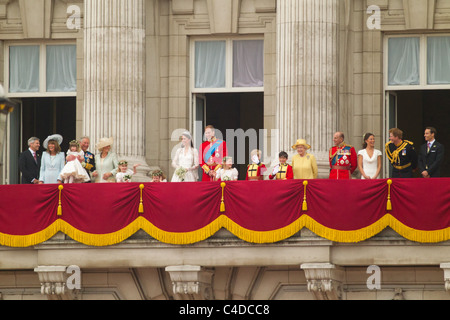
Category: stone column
[114,77]
[307,77]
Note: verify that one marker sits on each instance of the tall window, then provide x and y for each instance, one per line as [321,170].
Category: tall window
[438,60]
[418,62]
[41,70]
[228,65]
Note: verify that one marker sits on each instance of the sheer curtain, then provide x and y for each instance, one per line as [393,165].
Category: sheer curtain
[61,68]
[248,63]
[210,62]
[404,61]
[438,60]
[23,69]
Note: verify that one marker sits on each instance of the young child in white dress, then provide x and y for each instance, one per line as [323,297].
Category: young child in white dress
[124,174]
[158,176]
[73,171]
[227,172]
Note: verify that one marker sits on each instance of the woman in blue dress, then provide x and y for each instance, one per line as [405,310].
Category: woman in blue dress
[52,161]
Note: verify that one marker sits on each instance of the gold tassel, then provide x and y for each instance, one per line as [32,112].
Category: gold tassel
[60,187]
[141,204]
[389,204]
[222,204]
[304,205]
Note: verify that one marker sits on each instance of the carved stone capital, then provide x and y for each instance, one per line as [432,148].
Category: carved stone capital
[191,282]
[324,280]
[53,281]
[446,268]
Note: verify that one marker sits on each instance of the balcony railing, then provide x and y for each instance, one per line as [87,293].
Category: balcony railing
[347,211]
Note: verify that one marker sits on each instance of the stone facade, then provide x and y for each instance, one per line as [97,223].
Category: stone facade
[303,267]
[323,71]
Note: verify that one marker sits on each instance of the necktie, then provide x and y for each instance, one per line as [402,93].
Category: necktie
[35,157]
[429,145]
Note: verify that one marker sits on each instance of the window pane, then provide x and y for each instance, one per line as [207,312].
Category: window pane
[210,64]
[62,68]
[438,60]
[24,69]
[248,63]
[404,61]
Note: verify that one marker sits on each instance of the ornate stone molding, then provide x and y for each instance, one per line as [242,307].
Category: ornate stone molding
[419,14]
[3,5]
[191,282]
[224,15]
[324,280]
[183,6]
[53,281]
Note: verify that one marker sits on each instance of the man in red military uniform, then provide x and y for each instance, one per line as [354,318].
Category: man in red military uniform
[343,158]
[211,154]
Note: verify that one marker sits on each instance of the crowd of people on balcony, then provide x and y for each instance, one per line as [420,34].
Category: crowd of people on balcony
[79,165]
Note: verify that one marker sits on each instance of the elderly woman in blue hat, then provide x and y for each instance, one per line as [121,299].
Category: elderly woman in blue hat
[52,161]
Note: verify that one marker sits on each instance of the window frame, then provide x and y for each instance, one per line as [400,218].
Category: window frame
[42,69]
[228,65]
[423,63]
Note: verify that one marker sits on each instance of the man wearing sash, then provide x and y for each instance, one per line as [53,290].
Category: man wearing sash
[211,154]
[343,159]
[401,155]
[89,158]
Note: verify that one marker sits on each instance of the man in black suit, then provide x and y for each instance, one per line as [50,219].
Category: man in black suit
[30,162]
[431,155]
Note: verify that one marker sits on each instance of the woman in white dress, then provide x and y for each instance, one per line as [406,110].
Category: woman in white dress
[106,162]
[227,173]
[369,158]
[186,161]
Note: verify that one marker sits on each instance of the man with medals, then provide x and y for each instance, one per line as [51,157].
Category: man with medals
[401,154]
[282,171]
[255,170]
[89,158]
[211,154]
[343,159]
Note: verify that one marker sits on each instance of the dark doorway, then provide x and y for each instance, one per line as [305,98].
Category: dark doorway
[235,111]
[417,110]
[40,117]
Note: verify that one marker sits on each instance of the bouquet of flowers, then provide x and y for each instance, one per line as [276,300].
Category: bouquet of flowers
[226,178]
[127,178]
[181,172]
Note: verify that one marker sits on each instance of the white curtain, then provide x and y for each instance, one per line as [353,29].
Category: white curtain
[61,68]
[248,63]
[23,69]
[438,60]
[404,61]
[210,62]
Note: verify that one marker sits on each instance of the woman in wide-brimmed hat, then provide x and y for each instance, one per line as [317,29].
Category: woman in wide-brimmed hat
[106,161]
[304,164]
[53,160]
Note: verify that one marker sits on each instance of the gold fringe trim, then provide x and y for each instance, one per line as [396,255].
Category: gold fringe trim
[185,238]
[23,241]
